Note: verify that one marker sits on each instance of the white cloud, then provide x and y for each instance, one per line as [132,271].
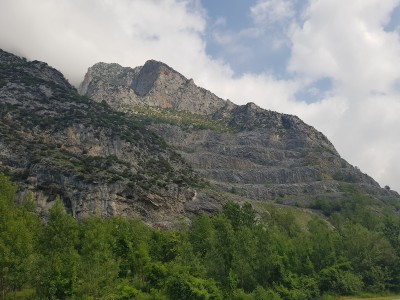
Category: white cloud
[340,40]
[72,35]
[346,41]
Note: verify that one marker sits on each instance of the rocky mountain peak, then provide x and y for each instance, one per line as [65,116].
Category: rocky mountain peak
[252,106]
[27,70]
[260,153]
[154,84]
[162,147]
[54,142]
[7,58]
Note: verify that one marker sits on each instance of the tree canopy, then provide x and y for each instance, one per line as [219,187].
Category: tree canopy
[231,255]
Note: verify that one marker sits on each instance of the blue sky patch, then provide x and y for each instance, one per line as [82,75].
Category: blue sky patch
[394,22]
[315,91]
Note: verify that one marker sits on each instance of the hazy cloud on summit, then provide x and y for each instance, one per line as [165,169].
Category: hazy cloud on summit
[341,54]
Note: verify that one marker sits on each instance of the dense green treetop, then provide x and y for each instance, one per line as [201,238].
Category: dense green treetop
[231,255]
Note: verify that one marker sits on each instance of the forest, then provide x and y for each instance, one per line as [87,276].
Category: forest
[237,254]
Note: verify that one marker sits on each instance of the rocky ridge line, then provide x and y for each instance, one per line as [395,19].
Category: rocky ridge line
[54,142]
[263,155]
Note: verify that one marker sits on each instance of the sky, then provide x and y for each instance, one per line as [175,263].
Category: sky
[333,63]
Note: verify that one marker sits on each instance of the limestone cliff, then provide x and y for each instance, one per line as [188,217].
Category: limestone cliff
[54,142]
[246,150]
[155,85]
[148,142]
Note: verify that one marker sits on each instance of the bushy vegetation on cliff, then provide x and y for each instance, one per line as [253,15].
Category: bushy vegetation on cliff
[232,255]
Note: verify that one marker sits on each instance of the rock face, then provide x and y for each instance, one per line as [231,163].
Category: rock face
[155,85]
[255,153]
[154,145]
[54,142]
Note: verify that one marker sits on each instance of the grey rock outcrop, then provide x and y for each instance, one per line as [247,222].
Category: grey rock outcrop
[147,142]
[262,155]
[155,85]
[54,142]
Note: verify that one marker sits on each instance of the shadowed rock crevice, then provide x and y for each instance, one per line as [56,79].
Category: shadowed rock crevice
[148,75]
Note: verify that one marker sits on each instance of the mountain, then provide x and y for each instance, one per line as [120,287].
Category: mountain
[255,153]
[54,142]
[148,142]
